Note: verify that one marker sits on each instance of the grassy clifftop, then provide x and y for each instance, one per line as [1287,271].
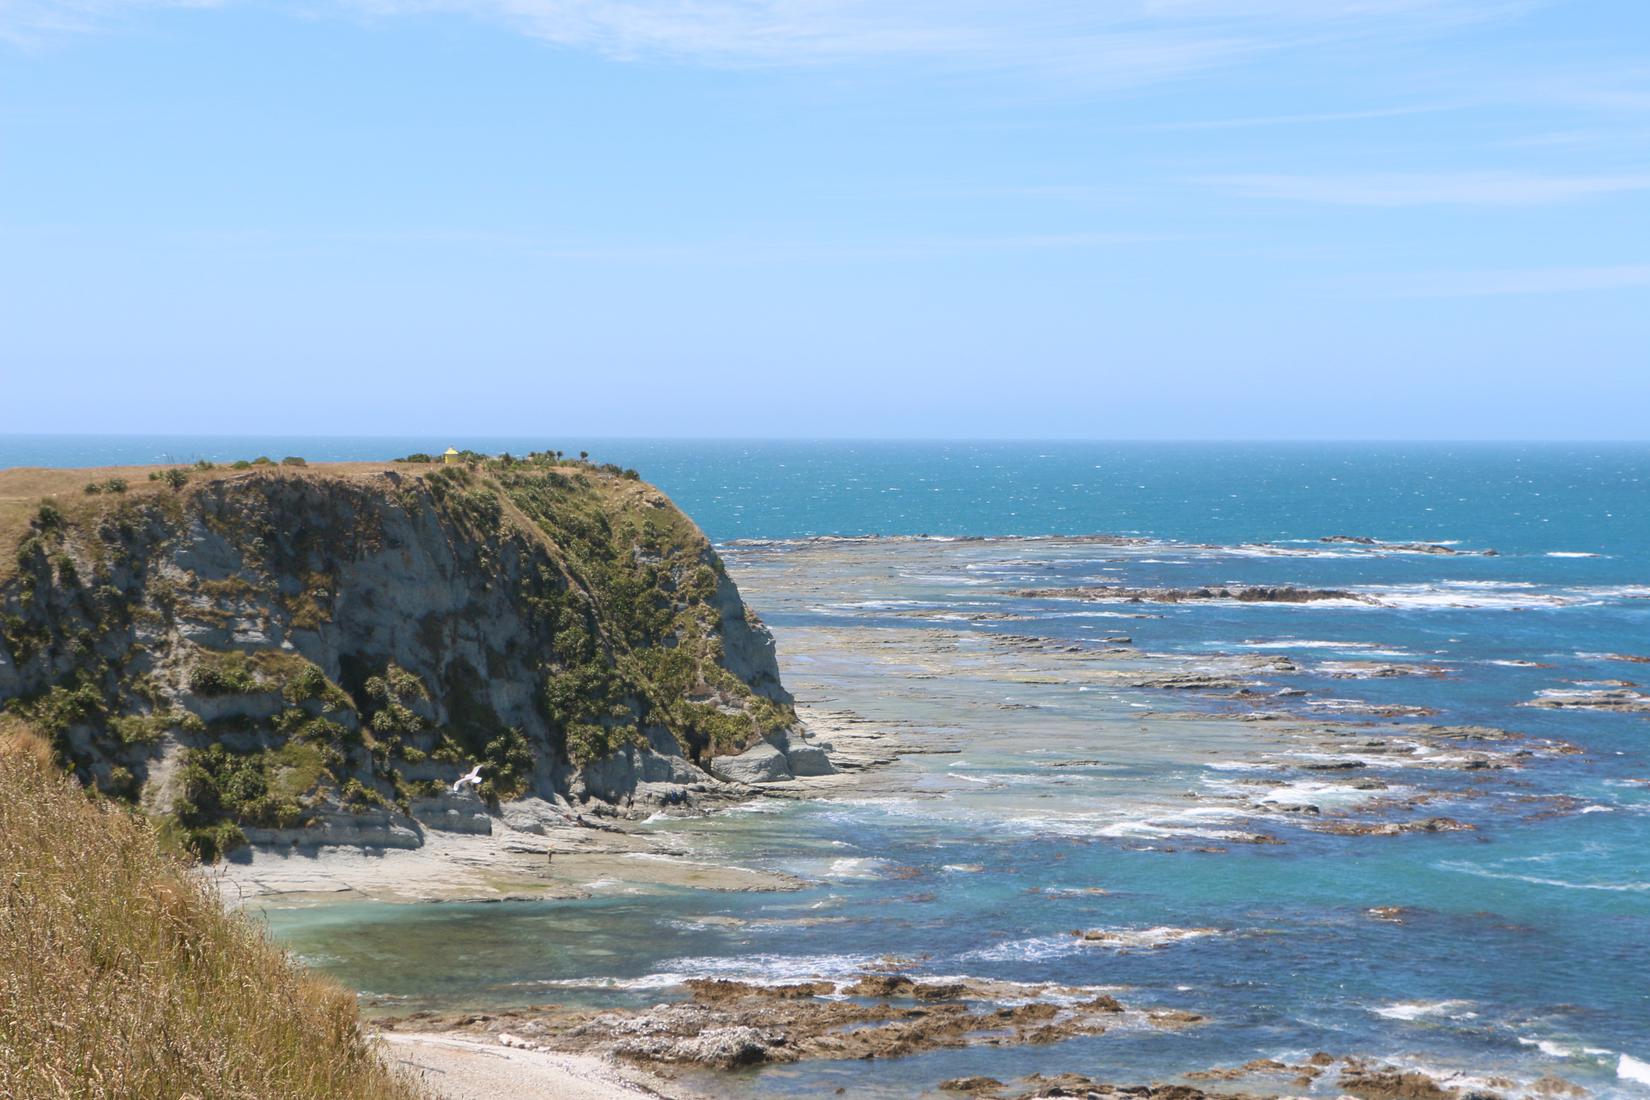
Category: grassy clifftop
[292,652]
[122,976]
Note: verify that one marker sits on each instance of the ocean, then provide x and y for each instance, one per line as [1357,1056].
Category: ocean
[1230,800]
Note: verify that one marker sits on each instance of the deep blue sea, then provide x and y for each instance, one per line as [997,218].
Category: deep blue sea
[1520,947]
[1522,497]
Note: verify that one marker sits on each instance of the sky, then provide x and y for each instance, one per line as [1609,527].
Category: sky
[1108,219]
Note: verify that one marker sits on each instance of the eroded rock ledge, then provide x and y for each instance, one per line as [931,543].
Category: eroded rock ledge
[731,1024]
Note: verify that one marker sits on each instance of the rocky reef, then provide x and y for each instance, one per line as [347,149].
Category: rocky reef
[310,655]
[1116,593]
[728,1025]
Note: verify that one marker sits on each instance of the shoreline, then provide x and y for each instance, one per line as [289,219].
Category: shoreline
[556,859]
[456,1068]
[1279,757]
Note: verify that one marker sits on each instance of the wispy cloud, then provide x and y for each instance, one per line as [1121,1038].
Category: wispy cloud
[1118,40]
[24,22]
[1429,188]
[1539,280]
[1099,41]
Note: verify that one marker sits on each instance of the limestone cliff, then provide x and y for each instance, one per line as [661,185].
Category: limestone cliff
[312,655]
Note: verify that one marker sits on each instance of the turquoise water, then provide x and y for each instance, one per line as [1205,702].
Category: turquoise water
[1513,496]
[1524,945]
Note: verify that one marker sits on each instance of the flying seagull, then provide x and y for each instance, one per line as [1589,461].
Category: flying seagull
[473,778]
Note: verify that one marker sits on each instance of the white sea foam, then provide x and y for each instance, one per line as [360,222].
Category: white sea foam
[1039,948]
[1629,1068]
[1351,670]
[855,867]
[756,806]
[1304,643]
[1262,550]
[1035,949]
[1465,868]
[1159,936]
[1469,595]
[1319,792]
[1570,554]
[1622,592]
[756,969]
[1557,1050]
[1354,706]
[1419,1010]
[1100,615]
[1142,824]
[1340,758]
[1147,830]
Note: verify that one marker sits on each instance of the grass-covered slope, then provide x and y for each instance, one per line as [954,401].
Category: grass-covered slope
[286,652]
[122,976]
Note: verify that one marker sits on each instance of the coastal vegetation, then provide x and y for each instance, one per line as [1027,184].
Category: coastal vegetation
[121,975]
[261,650]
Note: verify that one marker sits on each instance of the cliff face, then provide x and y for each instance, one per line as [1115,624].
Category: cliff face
[313,655]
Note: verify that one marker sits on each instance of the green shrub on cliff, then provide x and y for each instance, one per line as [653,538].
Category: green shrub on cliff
[54,711]
[225,674]
[48,517]
[223,791]
[310,683]
[509,758]
[172,477]
[144,729]
[588,742]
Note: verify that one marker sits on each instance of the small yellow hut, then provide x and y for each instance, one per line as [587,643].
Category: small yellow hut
[450,457]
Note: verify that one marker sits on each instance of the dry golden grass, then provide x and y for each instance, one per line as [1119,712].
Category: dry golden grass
[24,488]
[122,976]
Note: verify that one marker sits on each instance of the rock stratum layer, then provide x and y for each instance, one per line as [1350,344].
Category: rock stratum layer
[312,655]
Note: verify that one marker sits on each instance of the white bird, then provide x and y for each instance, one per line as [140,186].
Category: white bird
[473,778]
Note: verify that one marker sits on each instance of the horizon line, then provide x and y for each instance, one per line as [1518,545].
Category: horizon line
[458,437]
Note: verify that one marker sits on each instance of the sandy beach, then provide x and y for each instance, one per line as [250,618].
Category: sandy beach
[507,865]
[466,1069]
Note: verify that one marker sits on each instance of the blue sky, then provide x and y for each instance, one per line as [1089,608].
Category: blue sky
[1010,218]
